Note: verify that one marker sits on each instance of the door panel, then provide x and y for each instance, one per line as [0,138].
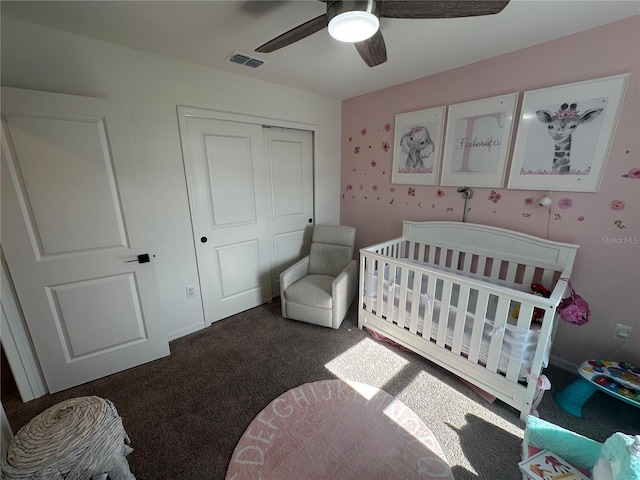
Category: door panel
[51,154]
[251,195]
[228,163]
[227,184]
[290,154]
[71,218]
[89,323]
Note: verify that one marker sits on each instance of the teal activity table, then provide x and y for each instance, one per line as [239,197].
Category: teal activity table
[621,380]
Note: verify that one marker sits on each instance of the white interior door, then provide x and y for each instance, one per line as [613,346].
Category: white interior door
[290,158]
[71,219]
[229,183]
[251,194]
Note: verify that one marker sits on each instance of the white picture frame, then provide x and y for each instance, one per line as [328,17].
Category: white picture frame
[546,156]
[417,147]
[477,142]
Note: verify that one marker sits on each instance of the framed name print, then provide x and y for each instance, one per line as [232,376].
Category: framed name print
[417,147]
[477,142]
[565,134]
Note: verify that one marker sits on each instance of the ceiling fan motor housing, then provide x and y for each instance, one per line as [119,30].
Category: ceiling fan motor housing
[336,8]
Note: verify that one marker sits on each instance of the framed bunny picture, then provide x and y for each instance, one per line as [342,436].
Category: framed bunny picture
[417,147]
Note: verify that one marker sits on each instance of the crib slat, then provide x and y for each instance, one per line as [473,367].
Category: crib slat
[391,296]
[402,304]
[482,263]
[443,318]
[415,302]
[524,321]
[411,250]
[421,252]
[495,346]
[529,273]
[547,278]
[461,318]
[478,326]
[495,268]
[525,315]
[466,267]
[455,257]
[381,290]
[512,269]
[432,254]
[369,265]
[428,314]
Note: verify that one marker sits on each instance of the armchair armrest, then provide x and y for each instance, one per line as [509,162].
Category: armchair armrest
[294,273]
[343,290]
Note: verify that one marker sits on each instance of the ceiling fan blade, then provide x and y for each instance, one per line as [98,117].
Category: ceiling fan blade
[373,50]
[295,34]
[440,9]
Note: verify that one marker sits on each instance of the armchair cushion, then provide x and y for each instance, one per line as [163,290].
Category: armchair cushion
[331,249]
[312,290]
[328,259]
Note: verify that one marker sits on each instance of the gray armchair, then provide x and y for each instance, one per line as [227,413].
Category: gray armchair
[320,287]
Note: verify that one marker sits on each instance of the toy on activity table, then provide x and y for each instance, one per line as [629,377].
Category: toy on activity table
[621,380]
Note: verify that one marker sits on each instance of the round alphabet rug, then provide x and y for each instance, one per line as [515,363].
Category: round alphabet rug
[336,429]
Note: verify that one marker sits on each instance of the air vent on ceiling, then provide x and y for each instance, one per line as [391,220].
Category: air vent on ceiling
[246,60]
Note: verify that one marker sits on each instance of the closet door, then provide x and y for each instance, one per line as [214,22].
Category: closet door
[229,186]
[251,197]
[290,157]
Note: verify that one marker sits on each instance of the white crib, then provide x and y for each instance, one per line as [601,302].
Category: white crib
[459,294]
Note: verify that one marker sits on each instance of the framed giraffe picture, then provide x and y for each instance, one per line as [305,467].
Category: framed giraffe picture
[564,135]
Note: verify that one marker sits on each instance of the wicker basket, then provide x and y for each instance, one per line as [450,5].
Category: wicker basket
[78,439]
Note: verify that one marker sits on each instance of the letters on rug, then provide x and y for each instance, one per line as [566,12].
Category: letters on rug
[337,429]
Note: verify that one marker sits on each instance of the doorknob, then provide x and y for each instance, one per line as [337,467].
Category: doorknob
[203,239]
[144,258]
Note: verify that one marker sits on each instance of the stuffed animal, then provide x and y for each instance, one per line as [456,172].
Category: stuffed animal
[541,291]
[538,313]
[619,458]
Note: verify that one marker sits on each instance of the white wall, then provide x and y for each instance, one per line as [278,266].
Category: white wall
[39,58]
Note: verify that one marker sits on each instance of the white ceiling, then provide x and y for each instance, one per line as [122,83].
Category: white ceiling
[206,32]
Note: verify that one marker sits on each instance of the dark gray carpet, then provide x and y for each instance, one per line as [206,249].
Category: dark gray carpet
[185,413]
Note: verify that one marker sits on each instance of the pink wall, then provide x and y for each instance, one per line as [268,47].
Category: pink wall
[606,273]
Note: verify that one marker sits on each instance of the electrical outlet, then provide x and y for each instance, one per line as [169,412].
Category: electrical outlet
[191,291]
[621,332]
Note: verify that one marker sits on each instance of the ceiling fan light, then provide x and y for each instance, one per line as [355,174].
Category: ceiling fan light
[354,26]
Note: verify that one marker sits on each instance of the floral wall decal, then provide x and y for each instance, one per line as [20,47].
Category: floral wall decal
[617,205]
[494,196]
[565,203]
[633,173]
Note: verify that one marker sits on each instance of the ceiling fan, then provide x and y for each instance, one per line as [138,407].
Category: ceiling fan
[347,18]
